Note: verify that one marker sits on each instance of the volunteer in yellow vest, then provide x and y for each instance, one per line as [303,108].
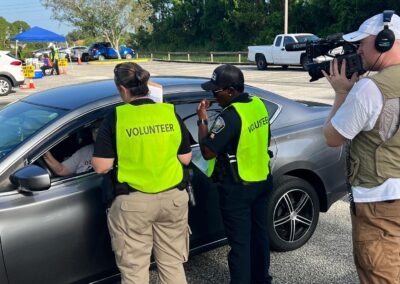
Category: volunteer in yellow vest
[54,56]
[146,144]
[237,144]
[366,113]
[21,54]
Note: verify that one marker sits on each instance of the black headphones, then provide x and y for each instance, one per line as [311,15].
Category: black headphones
[385,38]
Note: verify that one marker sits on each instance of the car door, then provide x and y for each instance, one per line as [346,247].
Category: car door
[289,57]
[205,218]
[58,235]
[277,57]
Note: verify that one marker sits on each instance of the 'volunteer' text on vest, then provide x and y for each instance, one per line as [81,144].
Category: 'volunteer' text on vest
[148,140]
[252,151]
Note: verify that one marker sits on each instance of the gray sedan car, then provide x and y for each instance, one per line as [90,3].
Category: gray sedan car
[53,229]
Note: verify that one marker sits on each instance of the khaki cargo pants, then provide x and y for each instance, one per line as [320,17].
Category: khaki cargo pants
[140,224]
[376,242]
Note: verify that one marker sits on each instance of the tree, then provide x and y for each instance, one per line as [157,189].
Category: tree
[110,19]
[4,32]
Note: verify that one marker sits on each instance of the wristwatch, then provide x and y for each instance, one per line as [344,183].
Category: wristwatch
[202,121]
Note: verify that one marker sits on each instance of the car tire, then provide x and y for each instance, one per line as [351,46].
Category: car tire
[292,214]
[5,86]
[304,61]
[128,56]
[84,57]
[284,67]
[101,57]
[261,62]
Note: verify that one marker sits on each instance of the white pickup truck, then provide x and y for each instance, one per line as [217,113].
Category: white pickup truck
[276,54]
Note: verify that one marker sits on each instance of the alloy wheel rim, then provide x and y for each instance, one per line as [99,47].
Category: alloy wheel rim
[3,87]
[293,215]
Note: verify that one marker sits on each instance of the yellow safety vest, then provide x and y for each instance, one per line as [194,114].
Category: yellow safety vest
[252,151]
[54,56]
[148,137]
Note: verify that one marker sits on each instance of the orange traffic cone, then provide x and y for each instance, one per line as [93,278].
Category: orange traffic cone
[31,84]
[79,60]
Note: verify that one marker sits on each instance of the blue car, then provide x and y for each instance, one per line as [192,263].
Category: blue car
[104,50]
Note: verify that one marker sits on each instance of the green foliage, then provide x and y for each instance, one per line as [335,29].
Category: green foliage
[202,25]
[108,19]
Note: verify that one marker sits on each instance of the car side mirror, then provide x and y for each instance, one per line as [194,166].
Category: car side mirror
[31,178]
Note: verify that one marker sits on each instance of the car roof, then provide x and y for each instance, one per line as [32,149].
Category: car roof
[74,96]
[97,94]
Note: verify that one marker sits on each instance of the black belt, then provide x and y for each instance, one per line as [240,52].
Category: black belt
[126,189]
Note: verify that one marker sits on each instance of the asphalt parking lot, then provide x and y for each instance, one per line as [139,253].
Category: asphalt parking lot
[327,257]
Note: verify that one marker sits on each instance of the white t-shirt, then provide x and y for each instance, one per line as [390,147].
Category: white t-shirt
[359,112]
[81,160]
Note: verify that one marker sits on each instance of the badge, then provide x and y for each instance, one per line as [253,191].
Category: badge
[218,125]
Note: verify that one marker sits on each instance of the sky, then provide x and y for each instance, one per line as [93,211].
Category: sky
[32,12]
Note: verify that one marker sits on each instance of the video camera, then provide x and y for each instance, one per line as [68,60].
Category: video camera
[324,47]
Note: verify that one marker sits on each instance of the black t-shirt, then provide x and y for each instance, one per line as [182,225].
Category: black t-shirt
[105,146]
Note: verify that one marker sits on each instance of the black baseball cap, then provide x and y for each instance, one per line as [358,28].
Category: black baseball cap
[223,77]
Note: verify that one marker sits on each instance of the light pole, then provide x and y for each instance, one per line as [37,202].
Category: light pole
[286,17]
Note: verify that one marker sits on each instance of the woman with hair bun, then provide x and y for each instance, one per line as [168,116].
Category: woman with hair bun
[146,144]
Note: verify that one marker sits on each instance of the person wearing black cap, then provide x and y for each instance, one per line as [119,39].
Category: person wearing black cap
[237,149]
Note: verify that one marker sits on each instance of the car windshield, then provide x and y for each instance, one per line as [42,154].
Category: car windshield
[19,121]
[304,38]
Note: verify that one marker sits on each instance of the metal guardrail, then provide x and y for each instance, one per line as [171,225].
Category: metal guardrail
[211,56]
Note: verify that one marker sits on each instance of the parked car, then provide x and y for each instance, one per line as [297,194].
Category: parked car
[10,72]
[104,50]
[64,52]
[77,51]
[53,229]
[38,53]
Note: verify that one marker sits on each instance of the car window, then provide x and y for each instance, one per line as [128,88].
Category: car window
[19,121]
[278,41]
[74,152]
[305,38]
[271,107]
[187,112]
[287,40]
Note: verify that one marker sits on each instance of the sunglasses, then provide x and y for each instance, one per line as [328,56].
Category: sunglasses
[215,93]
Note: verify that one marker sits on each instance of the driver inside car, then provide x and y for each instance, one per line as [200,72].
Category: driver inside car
[79,162]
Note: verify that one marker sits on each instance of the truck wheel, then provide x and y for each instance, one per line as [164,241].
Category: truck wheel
[304,61]
[261,62]
[284,67]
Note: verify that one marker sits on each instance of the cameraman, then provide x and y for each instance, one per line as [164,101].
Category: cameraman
[367,113]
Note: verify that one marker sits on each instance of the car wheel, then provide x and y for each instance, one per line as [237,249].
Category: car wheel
[5,86]
[101,57]
[261,62]
[284,67]
[292,214]
[304,61]
[128,56]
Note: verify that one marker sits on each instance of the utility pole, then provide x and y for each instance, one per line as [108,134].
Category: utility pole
[286,16]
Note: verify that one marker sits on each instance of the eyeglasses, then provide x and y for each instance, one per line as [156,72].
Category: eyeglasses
[217,91]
